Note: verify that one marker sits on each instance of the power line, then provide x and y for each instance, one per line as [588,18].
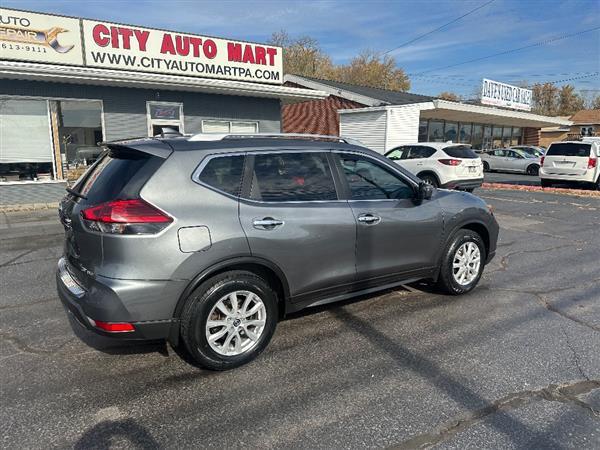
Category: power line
[437,29]
[512,50]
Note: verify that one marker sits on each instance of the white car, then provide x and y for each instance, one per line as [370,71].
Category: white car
[572,161]
[446,165]
[511,160]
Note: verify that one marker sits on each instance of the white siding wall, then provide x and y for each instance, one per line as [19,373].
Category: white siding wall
[403,125]
[368,127]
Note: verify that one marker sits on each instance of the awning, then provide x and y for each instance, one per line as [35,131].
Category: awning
[122,78]
[464,112]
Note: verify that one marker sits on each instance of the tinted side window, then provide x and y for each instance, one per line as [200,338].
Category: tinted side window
[370,181]
[460,151]
[570,149]
[421,152]
[224,173]
[292,177]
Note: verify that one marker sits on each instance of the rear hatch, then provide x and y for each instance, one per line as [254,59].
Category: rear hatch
[470,165]
[567,158]
[119,174]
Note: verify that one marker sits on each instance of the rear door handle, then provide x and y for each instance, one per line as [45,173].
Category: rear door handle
[369,219]
[268,223]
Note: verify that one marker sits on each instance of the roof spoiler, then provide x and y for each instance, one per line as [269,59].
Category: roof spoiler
[146,145]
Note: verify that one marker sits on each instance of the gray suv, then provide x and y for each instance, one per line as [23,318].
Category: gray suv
[207,241]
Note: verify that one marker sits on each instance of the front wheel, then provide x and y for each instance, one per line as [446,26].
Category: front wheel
[462,263]
[486,166]
[229,320]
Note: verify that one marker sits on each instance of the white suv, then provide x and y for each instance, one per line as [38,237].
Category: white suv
[572,161]
[446,165]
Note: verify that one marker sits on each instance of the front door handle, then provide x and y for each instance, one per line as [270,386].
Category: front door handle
[268,223]
[369,219]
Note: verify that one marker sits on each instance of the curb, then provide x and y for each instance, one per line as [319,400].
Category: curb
[562,191]
[28,207]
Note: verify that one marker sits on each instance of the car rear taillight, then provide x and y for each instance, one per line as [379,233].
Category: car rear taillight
[113,327]
[592,162]
[450,162]
[134,216]
[542,160]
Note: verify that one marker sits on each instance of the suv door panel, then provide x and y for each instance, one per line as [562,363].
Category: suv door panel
[405,234]
[312,242]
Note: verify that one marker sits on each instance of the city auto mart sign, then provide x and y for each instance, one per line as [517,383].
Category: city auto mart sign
[501,94]
[92,43]
[110,45]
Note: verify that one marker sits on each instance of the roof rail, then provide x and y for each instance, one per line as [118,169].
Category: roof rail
[222,136]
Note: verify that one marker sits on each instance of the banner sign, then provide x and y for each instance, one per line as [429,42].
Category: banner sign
[501,94]
[115,46]
[28,36]
[41,38]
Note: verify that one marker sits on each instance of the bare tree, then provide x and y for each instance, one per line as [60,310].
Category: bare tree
[450,96]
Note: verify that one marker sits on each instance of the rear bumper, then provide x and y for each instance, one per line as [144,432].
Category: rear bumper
[574,178]
[102,302]
[471,183]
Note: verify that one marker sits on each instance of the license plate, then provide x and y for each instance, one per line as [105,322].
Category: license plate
[472,169]
[73,286]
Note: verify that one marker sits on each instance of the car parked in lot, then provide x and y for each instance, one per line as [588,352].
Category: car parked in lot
[531,149]
[573,162]
[446,165]
[208,240]
[510,160]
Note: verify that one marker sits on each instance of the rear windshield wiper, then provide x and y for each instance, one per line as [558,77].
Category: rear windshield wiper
[75,193]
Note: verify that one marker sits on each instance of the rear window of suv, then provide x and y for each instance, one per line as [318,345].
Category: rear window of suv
[119,174]
[460,151]
[569,149]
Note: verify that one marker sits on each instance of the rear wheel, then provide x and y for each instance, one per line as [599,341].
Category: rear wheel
[429,179]
[229,320]
[533,170]
[486,166]
[462,263]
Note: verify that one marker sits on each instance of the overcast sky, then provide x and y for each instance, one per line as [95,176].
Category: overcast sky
[344,28]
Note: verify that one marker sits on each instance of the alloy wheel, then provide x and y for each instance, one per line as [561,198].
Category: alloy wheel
[236,323]
[466,263]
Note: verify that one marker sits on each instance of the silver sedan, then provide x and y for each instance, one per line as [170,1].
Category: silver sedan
[510,160]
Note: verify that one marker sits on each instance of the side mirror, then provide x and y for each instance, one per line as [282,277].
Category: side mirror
[425,191]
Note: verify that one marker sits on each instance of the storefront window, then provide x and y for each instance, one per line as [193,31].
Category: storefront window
[516,136]
[436,131]
[477,137]
[451,131]
[487,138]
[423,131]
[79,131]
[497,137]
[25,144]
[506,135]
[464,133]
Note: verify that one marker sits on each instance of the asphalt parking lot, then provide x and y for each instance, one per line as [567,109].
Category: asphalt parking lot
[514,364]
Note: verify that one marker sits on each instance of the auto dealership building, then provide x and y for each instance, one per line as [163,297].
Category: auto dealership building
[68,83]
[382,119]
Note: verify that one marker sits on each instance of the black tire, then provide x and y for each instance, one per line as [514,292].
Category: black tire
[533,170]
[446,281]
[199,305]
[486,166]
[546,183]
[430,179]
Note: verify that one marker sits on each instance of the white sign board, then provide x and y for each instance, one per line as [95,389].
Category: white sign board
[501,94]
[27,36]
[114,46]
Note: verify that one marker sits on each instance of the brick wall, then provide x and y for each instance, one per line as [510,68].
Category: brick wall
[531,136]
[316,116]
